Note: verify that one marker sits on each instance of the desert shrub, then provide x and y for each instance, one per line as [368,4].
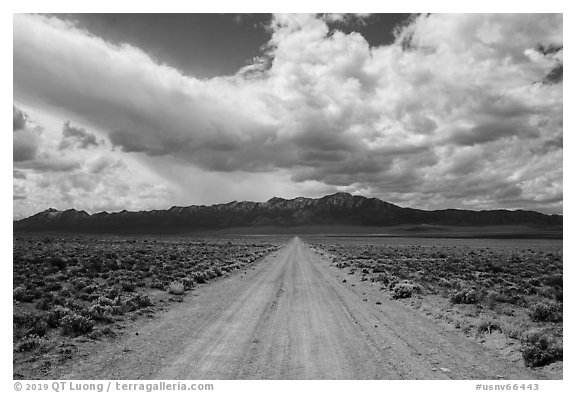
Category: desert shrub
[29,324]
[506,295]
[127,286]
[382,278]
[218,271]
[74,324]
[157,284]
[46,302]
[95,334]
[490,267]
[188,283]
[104,301]
[540,348]
[53,286]
[93,265]
[554,280]
[91,288]
[546,311]
[24,294]
[57,262]
[535,282]
[80,282]
[32,342]
[200,278]
[176,288]
[55,316]
[110,255]
[101,313]
[111,265]
[65,293]
[76,270]
[112,293]
[107,331]
[488,327]
[142,300]
[466,296]
[559,294]
[404,290]
[138,301]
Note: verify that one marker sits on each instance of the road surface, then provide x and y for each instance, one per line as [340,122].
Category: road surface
[291,317]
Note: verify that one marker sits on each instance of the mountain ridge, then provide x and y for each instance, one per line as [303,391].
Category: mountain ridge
[335,209]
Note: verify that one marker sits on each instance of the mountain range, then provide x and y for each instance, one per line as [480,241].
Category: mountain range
[340,209]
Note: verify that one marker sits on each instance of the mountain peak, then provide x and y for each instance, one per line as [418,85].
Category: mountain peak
[339,209]
[340,195]
[275,200]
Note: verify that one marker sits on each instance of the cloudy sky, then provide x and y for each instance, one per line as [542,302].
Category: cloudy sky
[143,112]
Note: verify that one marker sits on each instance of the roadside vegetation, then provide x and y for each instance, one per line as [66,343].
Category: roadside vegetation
[508,294]
[69,289]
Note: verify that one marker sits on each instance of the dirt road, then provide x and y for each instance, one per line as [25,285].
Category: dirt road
[291,317]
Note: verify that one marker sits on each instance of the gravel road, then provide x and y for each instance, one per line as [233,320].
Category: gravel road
[291,317]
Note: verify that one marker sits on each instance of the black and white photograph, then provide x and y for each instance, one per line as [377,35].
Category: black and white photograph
[297,196]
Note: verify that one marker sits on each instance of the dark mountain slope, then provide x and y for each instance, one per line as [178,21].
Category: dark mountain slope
[337,209]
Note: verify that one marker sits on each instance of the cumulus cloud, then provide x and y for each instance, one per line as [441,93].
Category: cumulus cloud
[460,109]
[76,136]
[74,177]
[102,163]
[26,137]
[111,190]
[19,192]
[32,151]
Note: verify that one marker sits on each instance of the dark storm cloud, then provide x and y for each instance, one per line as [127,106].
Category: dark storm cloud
[32,152]
[25,147]
[550,49]
[504,108]
[554,144]
[132,142]
[491,131]
[76,136]
[26,137]
[555,75]
[549,145]
[326,140]
[554,54]
[18,175]
[202,45]
[19,119]
[51,164]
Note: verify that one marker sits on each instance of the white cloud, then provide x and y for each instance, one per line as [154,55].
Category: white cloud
[453,113]
[75,177]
